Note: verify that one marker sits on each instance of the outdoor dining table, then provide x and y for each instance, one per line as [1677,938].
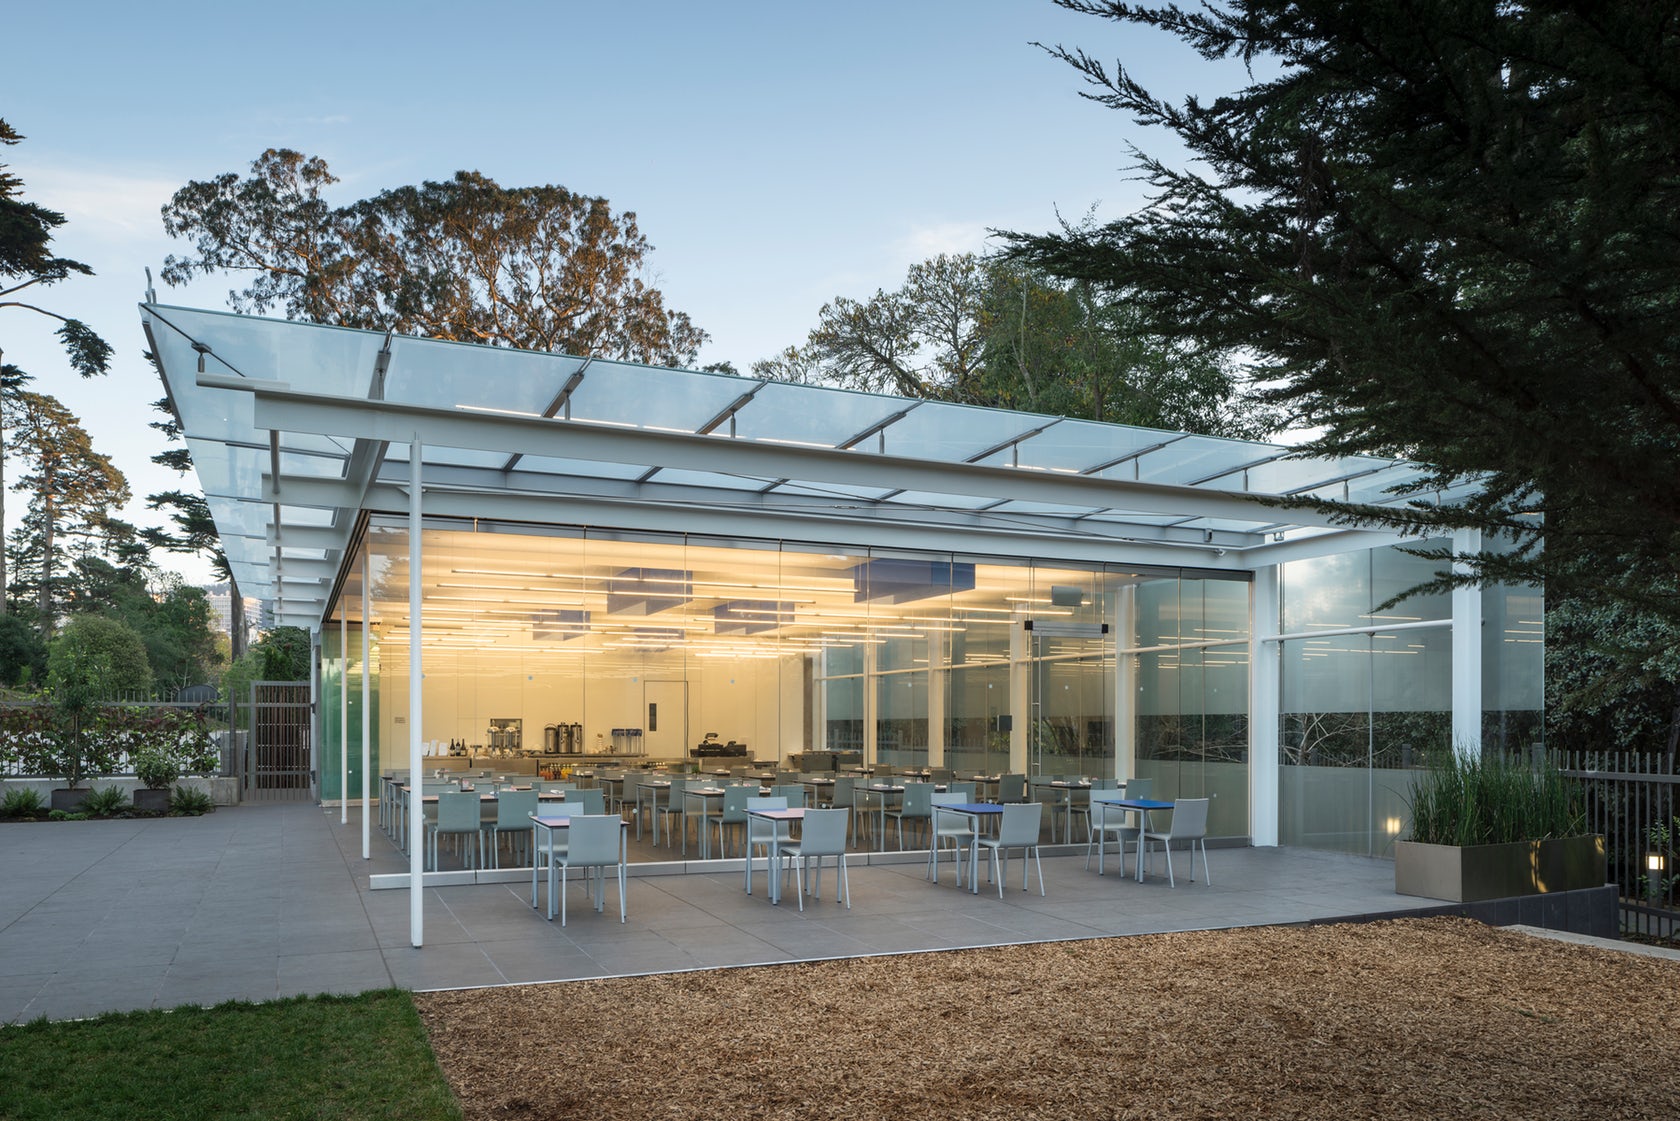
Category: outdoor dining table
[549,825]
[774,868]
[1142,806]
[975,812]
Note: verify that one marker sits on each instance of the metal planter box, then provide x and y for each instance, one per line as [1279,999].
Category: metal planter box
[1468,875]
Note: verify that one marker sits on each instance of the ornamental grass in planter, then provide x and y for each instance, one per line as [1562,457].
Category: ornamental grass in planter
[1495,827]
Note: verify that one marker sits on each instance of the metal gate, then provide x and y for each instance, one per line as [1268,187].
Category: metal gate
[279,758]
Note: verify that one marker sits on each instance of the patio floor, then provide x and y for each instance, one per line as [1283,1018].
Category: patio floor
[259,901]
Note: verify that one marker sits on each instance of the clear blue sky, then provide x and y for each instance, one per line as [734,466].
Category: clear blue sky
[777,154]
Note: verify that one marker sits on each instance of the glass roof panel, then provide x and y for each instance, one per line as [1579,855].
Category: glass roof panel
[240,518]
[305,515]
[306,356]
[584,468]
[675,477]
[940,501]
[1196,457]
[650,397]
[1124,517]
[833,490]
[1288,475]
[952,433]
[1053,509]
[309,466]
[456,375]
[796,414]
[1075,445]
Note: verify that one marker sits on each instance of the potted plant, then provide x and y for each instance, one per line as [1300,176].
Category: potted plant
[64,748]
[1495,828]
[157,771]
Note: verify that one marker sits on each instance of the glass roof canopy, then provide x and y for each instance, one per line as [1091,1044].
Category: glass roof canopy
[295,429]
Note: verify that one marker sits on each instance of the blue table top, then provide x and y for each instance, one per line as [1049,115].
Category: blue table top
[1136,803]
[973,808]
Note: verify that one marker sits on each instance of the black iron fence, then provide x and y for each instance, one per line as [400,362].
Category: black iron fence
[1632,799]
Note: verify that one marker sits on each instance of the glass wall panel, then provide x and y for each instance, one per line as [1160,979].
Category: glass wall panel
[1191,658]
[551,648]
[1359,711]
[1513,667]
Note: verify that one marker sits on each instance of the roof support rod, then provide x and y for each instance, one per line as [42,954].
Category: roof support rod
[562,400]
[728,413]
[845,445]
[1013,441]
[1129,456]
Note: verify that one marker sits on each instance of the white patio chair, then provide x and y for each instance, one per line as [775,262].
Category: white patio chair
[822,833]
[956,828]
[1189,823]
[593,843]
[1018,830]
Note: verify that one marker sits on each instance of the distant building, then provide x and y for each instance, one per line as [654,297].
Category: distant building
[221,602]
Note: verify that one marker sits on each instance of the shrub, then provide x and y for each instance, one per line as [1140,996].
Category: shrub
[1491,801]
[190,802]
[65,815]
[156,769]
[21,801]
[106,803]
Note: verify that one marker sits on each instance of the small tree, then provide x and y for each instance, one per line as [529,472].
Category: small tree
[93,659]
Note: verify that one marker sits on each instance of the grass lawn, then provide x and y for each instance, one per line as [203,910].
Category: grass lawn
[318,1057]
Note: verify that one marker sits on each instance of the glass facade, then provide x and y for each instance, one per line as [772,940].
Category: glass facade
[647,644]
[1362,705]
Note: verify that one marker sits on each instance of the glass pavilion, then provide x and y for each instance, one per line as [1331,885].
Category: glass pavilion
[625,549]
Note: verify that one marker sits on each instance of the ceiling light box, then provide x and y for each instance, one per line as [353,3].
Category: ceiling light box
[895,580]
[647,591]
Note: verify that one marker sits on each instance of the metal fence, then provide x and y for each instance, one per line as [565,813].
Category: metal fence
[278,763]
[1631,799]
[121,764]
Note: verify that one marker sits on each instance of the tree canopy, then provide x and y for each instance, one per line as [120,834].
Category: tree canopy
[1441,229]
[541,268]
[978,331]
[74,494]
[27,261]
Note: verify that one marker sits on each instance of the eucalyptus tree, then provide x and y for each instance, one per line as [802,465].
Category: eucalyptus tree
[979,331]
[542,268]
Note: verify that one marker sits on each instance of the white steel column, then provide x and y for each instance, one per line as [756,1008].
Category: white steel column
[1264,704]
[1467,654]
[367,741]
[938,678]
[871,735]
[343,715]
[317,718]
[416,812]
[1124,633]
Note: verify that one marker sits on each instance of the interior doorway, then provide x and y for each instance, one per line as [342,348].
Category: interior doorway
[665,718]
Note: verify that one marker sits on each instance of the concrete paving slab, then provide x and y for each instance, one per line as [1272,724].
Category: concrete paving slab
[257,901]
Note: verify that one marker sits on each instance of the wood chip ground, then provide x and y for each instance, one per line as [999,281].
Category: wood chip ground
[1416,1018]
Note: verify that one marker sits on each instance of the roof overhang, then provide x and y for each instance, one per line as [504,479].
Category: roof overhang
[298,430]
